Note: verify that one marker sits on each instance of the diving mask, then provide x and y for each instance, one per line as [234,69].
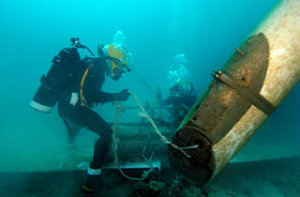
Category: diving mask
[117,57]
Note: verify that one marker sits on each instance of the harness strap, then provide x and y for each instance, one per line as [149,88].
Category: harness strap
[249,94]
[82,99]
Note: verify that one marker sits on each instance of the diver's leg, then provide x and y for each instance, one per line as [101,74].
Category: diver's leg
[73,130]
[102,145]
[85,117]
[95,123]
[90,119]
[72,127]
[98,125]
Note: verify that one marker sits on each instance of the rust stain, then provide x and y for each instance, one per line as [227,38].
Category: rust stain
[220,109]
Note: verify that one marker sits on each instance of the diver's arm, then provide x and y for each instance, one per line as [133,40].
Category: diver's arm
[103,97]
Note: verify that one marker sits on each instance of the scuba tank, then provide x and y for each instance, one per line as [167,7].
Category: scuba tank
[63,69]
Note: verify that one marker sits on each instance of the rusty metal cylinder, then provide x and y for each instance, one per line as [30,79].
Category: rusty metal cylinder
[252,83]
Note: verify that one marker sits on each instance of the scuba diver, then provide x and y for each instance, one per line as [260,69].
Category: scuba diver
[180,99]
[181,93]
[76,85]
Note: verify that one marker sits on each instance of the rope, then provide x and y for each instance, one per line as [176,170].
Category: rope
[115,142]
[145,115]
[143,177]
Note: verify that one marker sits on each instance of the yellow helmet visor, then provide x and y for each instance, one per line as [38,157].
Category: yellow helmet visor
[118,59]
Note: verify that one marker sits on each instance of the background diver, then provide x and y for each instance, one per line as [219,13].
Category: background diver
[76,85]
[181,93]
[180,100]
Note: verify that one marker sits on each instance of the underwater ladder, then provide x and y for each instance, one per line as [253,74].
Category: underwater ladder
[251,84]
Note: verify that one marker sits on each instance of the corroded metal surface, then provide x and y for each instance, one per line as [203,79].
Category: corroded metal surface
[221,107]
[246,92]
[224,106]
[268,64]
[194,169]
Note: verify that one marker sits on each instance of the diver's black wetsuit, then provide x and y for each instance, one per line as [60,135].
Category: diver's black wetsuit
[84,116]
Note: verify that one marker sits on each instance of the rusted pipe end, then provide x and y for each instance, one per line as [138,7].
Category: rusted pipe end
[197,168]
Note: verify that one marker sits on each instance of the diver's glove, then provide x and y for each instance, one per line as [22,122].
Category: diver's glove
[123,95]
[74,98]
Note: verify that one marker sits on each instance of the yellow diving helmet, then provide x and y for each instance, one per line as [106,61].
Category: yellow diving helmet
[118,58]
